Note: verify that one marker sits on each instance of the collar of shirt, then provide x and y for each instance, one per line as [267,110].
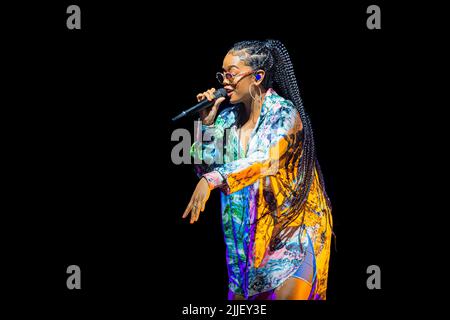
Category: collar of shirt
[267,103]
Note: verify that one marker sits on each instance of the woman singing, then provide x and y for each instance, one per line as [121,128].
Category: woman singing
[260,153]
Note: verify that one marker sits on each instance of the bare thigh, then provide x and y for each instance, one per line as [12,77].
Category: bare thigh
[293,289]
[269,295]
[234,296]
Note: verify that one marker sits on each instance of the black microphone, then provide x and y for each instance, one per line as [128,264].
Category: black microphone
[202,104]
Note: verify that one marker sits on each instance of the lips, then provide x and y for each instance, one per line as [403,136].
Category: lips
[229,91]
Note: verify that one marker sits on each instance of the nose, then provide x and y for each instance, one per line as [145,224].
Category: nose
[226,82]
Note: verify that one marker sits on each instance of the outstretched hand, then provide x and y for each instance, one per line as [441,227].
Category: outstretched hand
[198,200]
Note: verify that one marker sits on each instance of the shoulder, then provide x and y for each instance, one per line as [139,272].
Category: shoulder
[283,111]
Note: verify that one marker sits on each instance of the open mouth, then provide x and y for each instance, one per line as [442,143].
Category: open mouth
[229,91]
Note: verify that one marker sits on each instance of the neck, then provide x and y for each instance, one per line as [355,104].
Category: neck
[252,107]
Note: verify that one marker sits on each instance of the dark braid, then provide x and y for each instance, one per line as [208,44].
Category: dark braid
[272,57]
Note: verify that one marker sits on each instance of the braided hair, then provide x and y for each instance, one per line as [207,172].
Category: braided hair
[272,57]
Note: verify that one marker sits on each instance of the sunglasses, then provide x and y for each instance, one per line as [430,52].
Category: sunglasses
[230,77]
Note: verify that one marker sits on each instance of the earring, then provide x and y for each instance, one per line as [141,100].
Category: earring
[250,92]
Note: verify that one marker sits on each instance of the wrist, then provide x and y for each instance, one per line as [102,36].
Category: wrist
[214,179]
[207,123]
[203,178]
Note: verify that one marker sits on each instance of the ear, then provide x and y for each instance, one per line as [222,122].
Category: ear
[259,76]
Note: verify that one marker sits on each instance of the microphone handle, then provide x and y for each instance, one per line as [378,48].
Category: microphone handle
[202,104]
[199,106]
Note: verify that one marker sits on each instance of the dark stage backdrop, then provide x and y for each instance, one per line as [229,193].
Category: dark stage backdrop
[93,182]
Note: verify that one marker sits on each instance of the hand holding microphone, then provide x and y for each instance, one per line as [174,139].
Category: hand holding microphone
[209,102]
[208,115]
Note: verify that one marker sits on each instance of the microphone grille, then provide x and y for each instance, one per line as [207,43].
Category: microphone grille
[220,93]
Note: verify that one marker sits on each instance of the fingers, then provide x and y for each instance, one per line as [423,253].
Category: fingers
[200,97]
[217,103]
[195,211]
[213,111]
[198,200]
[194,208]
[198,206]
[188,209]
[209,94]
[203,206]
[193,215]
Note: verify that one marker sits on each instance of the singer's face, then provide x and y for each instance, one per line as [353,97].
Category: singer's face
[238,87]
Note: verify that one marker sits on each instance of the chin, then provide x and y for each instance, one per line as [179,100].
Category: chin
[234,100]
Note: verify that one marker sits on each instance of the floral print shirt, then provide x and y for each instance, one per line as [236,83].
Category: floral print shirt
[254,182]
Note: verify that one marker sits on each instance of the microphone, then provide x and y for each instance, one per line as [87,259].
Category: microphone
[202,104]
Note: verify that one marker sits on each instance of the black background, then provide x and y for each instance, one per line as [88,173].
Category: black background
[89,132]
